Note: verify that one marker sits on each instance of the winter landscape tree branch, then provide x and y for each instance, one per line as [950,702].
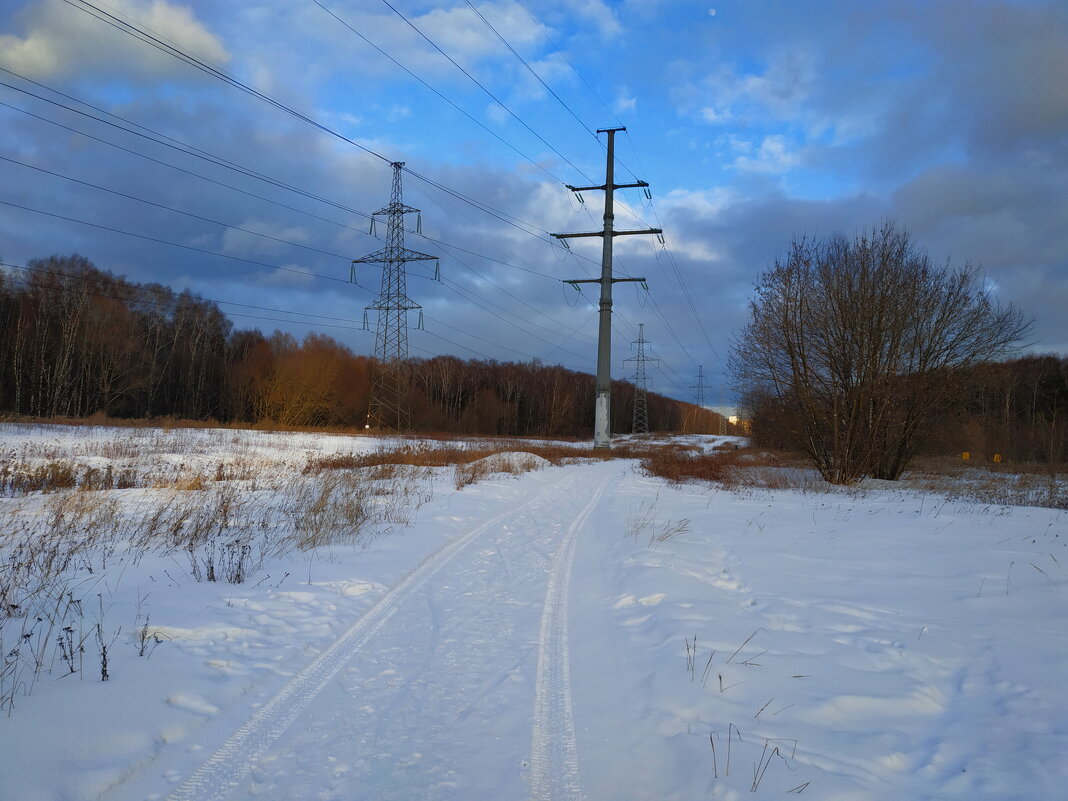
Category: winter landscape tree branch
[851,344]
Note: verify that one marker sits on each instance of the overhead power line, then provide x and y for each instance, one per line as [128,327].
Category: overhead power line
[163,291]
[530,69]
[218,161]
[640,417]
[481,86]
[159,241]
[452,103]
[157,42]
[148,38]
[389,405]
[189,214]
[560,50]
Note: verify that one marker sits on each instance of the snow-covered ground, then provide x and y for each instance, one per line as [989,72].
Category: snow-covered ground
[582,631]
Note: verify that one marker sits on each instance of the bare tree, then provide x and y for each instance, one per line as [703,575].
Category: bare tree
[852,342]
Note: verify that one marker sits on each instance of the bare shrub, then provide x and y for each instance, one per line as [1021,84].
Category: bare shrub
[421,455]
[507,463]
[332,508]
[427,455]
[51,560]
[467,474]
[853,346]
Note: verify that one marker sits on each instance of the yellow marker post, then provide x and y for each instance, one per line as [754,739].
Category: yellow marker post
[966,456]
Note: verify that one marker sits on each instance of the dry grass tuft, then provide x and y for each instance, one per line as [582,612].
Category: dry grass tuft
[333,508]
[426,455]
[509,463]
[1023,489]
[190,483]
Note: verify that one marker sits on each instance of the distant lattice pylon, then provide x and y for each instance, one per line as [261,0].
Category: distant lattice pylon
[640,422]
[700,386]
[389,407]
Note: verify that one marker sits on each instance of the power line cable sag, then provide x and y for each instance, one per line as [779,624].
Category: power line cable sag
[170,49]
[357,325]
[530,69]
[226,225]
[142,35]
[181,147]
[193,248]
[248,231]
[244,171]
[452,103]
[502,216]
[173,210]
[481,86]
[139,34]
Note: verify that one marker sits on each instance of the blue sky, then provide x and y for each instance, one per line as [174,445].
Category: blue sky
[753,122]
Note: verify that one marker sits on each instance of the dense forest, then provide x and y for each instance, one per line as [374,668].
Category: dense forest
[77,341]
[1017,409]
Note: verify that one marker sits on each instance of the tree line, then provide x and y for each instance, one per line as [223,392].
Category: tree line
[77,341]
[1017,408]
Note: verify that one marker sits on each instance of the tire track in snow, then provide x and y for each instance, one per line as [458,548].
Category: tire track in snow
[225,769]
[554,772]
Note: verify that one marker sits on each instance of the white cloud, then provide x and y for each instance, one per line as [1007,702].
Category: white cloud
[625,101]
[60,40]
[497,113]
[783,89]
[771,157]
[553,68]
[704,203]
[458,31]
[714,117]
[601,15]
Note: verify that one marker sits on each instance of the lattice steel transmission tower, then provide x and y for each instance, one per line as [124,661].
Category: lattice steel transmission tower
[640,423]
[389,383]
[700,386]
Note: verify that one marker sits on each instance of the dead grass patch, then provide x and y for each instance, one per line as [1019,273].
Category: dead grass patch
[733,468]
[425,455]
[507,462]
[1047,490]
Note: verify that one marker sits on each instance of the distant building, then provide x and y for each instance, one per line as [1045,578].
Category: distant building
[729,412]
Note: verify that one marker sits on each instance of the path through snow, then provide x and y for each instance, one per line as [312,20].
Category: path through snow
[428,694]
[588,632]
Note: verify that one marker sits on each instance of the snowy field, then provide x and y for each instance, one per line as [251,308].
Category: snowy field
[581,631]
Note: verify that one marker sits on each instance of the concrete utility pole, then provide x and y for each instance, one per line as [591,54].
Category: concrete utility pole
[602,434]
[640,420]
[389,384]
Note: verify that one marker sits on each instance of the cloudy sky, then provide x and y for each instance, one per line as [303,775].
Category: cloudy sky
[250,181]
